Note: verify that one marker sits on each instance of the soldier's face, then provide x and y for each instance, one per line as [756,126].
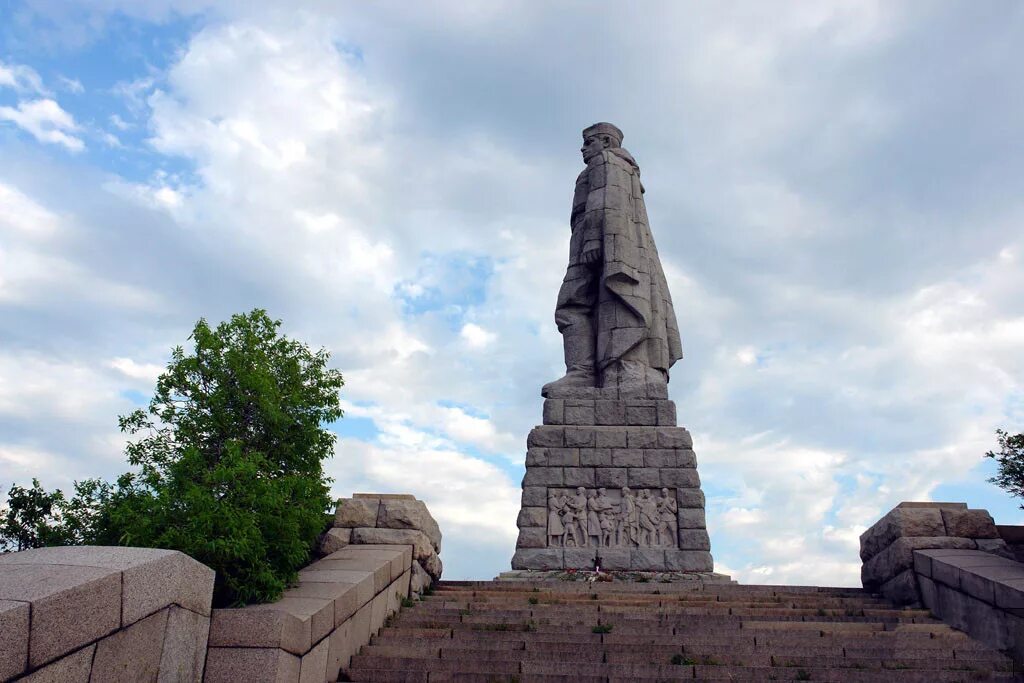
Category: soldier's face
[593,145]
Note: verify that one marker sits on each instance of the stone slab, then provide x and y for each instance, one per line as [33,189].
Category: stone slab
[356,512]
[132,654]
[55,591]
[313,665]
[335,539]
[234,664]
[898,556]
[422,548]
[689,561]
[248,627]
[14,627]
[969,523]
[578,558]
[183,655]
[402,513]
[537,558]
[74,668]
[348,570]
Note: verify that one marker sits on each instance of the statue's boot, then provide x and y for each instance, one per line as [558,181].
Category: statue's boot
[579,344]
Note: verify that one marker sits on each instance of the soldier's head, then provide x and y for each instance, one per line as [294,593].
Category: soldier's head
[664,493]
[599,137]
[580,490]
[601,492]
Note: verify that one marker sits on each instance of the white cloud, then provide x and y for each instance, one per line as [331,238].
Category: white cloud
[146,373]
[21,78]
[46,121]
[477,337]
[72,84]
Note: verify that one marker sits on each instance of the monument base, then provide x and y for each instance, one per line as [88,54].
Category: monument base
[696,578]
[611,482]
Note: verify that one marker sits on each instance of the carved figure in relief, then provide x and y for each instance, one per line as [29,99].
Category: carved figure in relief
[593,520]
[577,504]
[647,518]
[607,511]
[556,530]
[614,309]
[629,531]
[668,525]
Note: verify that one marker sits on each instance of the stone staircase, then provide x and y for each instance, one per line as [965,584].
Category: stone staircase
[601,632]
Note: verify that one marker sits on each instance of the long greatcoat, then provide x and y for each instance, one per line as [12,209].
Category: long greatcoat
[635,319]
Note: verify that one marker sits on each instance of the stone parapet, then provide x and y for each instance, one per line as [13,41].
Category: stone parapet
[314,629]
[887,547]
[389,519]
[103,614]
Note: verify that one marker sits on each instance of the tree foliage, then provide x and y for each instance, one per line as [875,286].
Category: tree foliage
[1010,461]
[230,454]
[35,517]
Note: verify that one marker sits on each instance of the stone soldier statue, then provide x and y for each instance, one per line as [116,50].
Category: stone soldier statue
[614,309]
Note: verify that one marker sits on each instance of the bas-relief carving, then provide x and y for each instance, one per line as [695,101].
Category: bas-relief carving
[614,309]
[582,517]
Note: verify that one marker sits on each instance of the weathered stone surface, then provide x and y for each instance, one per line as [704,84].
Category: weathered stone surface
[690,497]
[409,514]
[900,521]
[689,561]
[233,664]
[627,457]
[641,415]
[535,495]
[898,556]
[14,625]
[183,655]
[543,476]
[578,476]
[55,591]
[420,579]
[546,437]
[250,627]
[582,437]
[663,457]
[553,457]
[932,504]
[615,559]
[579,558]
[673,437]
[666,414]
[610,477]
[554,411]
[579,414]
[642,437]
[996,546]
[610,412]
[354,512]
[680,478]
[334,539]
[612,437]
[398,557]
[533,537]
[647,559]
[132,654]
[692,518]
[347,597]
[74,668]
[422,548]
[434,567]
[644,476]
[596,457]
[969,524]
[313,665]
[537,558]
[532,516]
[694,539]
[902,589]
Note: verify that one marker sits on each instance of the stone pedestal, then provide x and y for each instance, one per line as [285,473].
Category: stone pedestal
[611,481]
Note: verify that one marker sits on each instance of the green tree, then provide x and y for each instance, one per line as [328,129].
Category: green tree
[229,457]
[31,518]
[1010,461]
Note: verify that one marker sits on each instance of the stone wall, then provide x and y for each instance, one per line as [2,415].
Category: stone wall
[611,481]
[312,632]
[388,519]
[887,548]
[87,613]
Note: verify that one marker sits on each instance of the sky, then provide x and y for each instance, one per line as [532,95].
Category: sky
[836,189]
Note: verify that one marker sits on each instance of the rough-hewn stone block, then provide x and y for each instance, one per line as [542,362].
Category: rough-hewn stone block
[334,539]
[554,411]
[969,524]
[611,477]
[615,559]
[644,476]
[553,457]
[578,476]
[689,561]
[609,412]
[543,476]
[641,415]
[642,437]
[353,512]
[579,414]
[627,457]
[666,414]
[595,457]
[537,558]
[694,539]
[680,478]
[900,521]
[132,654]
[692,518]
[665,457]
[611,438]
[647,559]
[898,556]
[532,516]
[396,513]
[535,495]
[673,437]
[902,589]
[422,548]
[581,437]
[546,436]
[690,498]
[578,558]
[533,537]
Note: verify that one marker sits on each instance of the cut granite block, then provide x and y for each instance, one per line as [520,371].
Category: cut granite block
[537,558]
[595,457]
